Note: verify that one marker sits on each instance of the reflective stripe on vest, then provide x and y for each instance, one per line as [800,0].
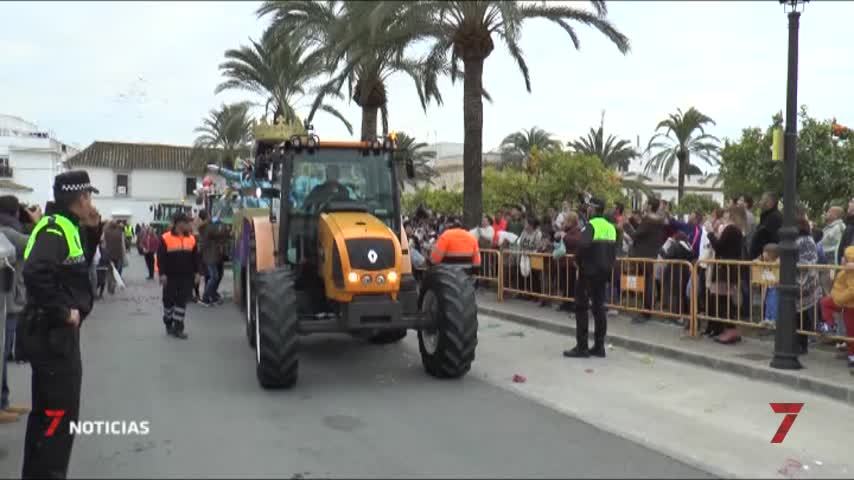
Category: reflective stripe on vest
[603,230]
[67,229]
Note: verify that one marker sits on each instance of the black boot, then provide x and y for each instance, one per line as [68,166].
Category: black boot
[170,327]
[598,350]
[577,352]
[178,331]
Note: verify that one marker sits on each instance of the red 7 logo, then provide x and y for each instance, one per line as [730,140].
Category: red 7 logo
[55,418]
[791,410]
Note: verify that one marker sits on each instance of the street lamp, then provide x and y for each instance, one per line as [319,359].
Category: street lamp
[785,356]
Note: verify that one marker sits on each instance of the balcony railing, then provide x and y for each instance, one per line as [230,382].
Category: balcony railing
[6,171]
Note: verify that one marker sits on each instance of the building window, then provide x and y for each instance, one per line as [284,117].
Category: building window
[190,186]
[5,169]
[122,185]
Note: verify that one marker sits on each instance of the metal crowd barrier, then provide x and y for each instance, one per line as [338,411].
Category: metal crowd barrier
[727,292]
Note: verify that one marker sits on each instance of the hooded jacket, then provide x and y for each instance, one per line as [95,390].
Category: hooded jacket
[13,230]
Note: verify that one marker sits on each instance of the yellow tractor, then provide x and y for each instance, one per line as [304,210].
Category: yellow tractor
[330,255]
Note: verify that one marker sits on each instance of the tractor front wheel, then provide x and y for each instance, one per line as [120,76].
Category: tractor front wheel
[277,333]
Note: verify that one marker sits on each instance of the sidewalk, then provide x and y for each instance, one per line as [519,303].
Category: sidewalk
[823,372]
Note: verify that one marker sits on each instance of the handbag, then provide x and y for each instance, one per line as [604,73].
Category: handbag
[559,250]
[117,276]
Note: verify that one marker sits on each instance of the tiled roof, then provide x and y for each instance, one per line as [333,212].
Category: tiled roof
[147,156]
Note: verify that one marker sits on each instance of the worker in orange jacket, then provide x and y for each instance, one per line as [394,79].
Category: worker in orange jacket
[456,245]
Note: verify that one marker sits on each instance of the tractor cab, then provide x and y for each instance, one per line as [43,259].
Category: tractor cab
[339,204]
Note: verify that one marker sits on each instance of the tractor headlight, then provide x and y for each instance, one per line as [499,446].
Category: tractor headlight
[353,277]
[366,279]
[380,279]
[392,277]
[296,143]
[311,143]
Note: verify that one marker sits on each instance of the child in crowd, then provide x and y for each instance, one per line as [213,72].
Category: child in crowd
[769,278]
[841,298]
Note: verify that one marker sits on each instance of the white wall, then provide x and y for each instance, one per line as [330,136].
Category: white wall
[146,187]
[34,169]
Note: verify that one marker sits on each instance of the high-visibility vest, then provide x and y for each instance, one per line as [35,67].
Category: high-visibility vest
[58,225]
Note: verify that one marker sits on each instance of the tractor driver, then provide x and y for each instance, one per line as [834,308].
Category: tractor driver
[330,190]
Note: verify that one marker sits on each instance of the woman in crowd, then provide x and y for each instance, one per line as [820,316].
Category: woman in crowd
[808,280]
[727,243]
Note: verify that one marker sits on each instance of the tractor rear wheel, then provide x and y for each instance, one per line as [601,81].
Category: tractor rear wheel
[277,333]
[447,349]
[250,303]
[388,336]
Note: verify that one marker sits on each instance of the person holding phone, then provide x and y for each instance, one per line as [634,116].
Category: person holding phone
[59,298]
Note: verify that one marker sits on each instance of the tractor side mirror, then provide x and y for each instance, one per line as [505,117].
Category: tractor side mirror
[410,169]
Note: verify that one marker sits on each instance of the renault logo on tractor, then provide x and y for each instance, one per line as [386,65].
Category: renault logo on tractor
[372,256]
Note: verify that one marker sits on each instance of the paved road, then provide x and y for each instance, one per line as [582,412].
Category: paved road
[359,411]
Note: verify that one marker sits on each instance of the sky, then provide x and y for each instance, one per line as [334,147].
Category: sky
[146,71]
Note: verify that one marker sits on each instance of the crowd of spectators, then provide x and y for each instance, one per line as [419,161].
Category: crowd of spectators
[741,231]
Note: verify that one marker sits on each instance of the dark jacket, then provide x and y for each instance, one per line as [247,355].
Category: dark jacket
[767,232]
[847,239]
[54,286]
[211,243]
[693,233]
[597,251]
[114,241]
[571,239]
[727,247]
[178,255]
[648,237]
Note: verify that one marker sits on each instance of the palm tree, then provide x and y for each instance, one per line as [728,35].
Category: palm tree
[360,55]
[516,148]
[422,159]
[684,134]
[614,152]
[464,29]
[229,129]
[280,68]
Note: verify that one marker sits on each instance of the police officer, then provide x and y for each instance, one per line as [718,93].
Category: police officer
[595,258]
[59,297]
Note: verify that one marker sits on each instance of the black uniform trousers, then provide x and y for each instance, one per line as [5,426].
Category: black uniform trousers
[590,294]
[177,291]
[56,378]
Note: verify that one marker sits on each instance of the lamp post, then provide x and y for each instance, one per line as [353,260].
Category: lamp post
[785,356]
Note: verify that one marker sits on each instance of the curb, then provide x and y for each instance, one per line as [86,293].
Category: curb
[767,374]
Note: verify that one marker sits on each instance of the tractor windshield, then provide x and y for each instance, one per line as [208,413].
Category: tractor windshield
[342,175]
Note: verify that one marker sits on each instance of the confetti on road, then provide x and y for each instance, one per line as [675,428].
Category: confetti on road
[588,370]
[519,378]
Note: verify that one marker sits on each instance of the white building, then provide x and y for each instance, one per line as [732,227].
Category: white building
[666,188]
[132,177]
[29,159]
[449,164]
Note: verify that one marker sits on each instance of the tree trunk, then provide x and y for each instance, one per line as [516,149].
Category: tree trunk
[384,115]
[369,122]
[680,188]
[473,143]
